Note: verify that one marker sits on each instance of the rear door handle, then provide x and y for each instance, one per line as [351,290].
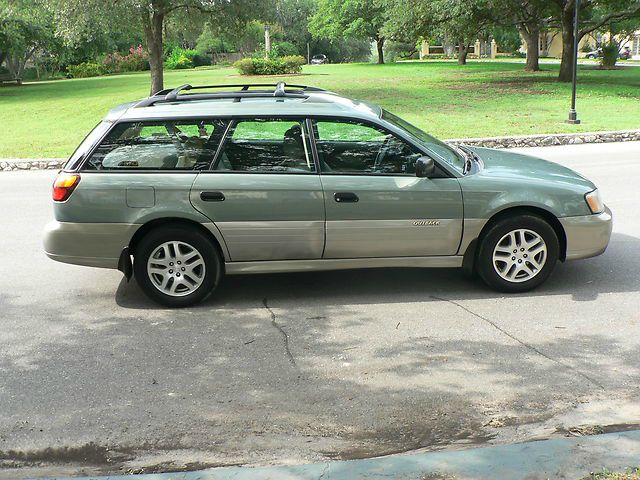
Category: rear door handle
[345,197]
[212,196]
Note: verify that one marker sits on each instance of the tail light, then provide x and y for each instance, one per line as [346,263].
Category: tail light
[64,186]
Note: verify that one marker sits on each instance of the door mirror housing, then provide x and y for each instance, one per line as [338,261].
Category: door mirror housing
[425,167]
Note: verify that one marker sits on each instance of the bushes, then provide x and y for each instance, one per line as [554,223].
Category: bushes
[86,69]
[270,66]
[610,52]
[135,61]
[181,58]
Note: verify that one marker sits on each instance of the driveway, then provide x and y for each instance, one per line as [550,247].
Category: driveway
[307,367]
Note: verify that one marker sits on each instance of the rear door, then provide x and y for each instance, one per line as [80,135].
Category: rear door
[375,205]
[263,192]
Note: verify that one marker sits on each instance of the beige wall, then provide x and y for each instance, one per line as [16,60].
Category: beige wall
[551,44]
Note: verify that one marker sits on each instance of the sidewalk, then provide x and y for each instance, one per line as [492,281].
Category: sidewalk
[563,458]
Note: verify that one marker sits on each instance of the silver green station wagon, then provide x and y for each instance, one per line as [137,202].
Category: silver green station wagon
[193,183]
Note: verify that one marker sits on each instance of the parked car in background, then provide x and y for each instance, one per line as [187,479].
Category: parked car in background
[319,59]
[180,189]
[624,54]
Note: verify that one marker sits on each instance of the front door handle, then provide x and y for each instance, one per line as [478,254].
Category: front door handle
[212,196]
[345,197]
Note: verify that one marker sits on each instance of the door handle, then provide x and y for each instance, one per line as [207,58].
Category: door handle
[212,196]
[345,197]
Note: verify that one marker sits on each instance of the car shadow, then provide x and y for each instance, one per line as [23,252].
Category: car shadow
[614,271]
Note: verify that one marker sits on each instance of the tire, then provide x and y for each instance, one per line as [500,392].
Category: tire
[177,266]
[536,252]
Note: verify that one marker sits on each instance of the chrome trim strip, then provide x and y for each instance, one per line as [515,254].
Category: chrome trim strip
[280,266]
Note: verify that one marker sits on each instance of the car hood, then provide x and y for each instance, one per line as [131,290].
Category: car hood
[507,164]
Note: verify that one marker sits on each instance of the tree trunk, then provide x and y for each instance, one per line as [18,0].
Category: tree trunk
[153,28]
[463,50]
[566,64]
[379,47]
[531,35]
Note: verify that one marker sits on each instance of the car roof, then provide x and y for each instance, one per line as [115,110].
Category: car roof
[308,103]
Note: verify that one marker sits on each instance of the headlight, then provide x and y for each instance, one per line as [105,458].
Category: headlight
[594,201]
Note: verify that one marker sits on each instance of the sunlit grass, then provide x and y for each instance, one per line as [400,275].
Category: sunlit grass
[48,119]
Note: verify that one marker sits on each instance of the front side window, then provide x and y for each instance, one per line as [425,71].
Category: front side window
[351,148]
[441,149]
[266,146]
[158,145]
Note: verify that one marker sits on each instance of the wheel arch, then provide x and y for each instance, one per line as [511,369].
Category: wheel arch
[162,222]
[470,253]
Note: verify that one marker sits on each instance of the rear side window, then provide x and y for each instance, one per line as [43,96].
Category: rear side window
[164,145]
[266,146]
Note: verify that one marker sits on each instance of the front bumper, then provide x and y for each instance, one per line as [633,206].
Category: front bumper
[90,244]
[587,235]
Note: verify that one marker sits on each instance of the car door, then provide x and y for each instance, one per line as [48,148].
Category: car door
[375,205]
[263,192]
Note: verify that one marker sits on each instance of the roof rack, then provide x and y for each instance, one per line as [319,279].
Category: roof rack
[278,90]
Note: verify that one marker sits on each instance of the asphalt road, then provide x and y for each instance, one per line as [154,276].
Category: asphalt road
[303,367]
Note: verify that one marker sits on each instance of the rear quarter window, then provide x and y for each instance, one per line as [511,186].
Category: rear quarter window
[159,145]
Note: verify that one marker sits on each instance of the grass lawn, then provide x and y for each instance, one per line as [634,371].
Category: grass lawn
[49,119]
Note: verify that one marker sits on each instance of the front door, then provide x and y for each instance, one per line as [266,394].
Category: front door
[264,193]
[375,205]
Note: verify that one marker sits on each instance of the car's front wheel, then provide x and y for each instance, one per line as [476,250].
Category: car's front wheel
[517,253]
[177,266]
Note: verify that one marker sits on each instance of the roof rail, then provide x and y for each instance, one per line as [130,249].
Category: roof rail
[276,90]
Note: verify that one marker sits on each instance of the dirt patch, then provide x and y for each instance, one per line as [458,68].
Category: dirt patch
[400,440]
[490,89]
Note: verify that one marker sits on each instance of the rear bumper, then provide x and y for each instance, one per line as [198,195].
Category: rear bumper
[588,235]
[90,244]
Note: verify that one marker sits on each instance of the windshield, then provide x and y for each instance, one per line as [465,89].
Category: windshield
[444,151]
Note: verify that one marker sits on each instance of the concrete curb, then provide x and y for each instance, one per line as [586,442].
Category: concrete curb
[547,140]
[571,458]
[544,140]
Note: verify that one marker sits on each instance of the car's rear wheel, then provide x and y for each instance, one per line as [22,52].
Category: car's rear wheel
[177,266]
[517,253]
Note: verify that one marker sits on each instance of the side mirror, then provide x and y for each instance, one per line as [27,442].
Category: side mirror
[425,167]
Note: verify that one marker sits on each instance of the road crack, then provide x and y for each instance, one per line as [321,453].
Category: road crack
[285,335]
[524,344]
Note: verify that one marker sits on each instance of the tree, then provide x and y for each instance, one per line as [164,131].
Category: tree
[529,17]
[337,19]
[25,27]
[460,20]
[594,14]
[77,19]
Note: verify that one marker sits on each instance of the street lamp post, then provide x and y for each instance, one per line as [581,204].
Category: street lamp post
[267,42]
[573,115]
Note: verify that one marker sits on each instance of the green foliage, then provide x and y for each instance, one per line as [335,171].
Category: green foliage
[609,55]
[507,38]
[270,66]
[136,60]
[284,49]
[86,69]
[336,19]
[181,58]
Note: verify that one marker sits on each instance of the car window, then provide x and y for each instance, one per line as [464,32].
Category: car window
[167,145]
[266,146]
[352,148]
